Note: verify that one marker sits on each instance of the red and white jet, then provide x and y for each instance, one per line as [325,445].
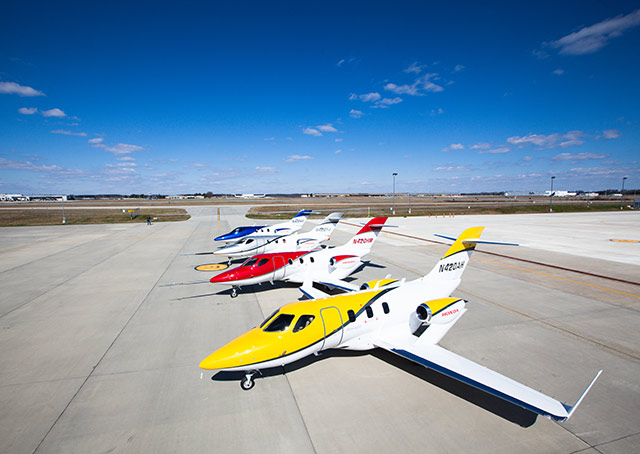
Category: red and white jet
[325,266]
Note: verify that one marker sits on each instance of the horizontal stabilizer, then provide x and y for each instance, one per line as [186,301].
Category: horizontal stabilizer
[475,240]
[478,241]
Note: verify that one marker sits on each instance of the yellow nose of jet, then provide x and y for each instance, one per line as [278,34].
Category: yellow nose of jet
[240,352]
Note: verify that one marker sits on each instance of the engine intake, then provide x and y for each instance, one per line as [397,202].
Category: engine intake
[424,313]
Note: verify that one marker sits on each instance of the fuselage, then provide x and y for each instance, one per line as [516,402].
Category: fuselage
[350,321]
[238,233]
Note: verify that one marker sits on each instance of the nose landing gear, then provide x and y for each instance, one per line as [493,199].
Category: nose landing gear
[234,292]
[247,382]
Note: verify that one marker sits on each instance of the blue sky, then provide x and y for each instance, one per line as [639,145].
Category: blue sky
[239,97]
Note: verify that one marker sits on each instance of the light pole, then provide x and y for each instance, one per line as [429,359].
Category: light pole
[622,195]
[64,219]
[551,196]
[393,211]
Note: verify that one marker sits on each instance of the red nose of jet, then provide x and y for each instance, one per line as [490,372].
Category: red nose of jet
[223,277]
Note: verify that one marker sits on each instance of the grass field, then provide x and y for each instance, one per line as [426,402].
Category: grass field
[440,208]
[53,216]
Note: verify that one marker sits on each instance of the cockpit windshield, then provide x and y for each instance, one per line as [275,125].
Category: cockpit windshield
[303,322]
[238,230]
[263,262]
[250,262]
[269,318]
[280,323]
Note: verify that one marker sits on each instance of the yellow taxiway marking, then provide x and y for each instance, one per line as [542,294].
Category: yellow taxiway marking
[625,241]
[212,267]
[557,277]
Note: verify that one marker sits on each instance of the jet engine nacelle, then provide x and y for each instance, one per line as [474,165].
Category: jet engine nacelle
[345,262]
[441,312]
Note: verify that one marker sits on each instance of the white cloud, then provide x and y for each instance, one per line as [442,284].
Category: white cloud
[370,97]
[611,134]
[481,146]
[266,170]
[355,113]
[297,157]
[69,133]
[54,113]
[454,146]
[12,88]
[404,89]
[386,102]
[496,151]
[312,132]
[49,169]
[327,128]
[458,68]
[452,169]
[569,139]
[558,72]
[435,112]
[339,140]
[428,85]
[579,156]
[593,38]
[415,68]
[269,139]
[27,110]
[123,148]
[126,158]
[338,151]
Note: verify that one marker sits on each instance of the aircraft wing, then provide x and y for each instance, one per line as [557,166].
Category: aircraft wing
[313,293]
[455,366]
[339,284]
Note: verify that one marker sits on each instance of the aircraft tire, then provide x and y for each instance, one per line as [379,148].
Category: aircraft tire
[247,383]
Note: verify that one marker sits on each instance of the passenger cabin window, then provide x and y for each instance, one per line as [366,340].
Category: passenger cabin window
[369,311]
[250,262]
[290,262]
[263,262]
[385,308]
[311,259]
[301,261]
[269,318]
[280,323]
[303,322]
[352,316]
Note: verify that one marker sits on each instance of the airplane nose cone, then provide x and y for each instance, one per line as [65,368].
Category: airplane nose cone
[222,277]
[211,362]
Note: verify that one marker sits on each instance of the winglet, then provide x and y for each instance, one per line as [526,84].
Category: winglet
[570,410]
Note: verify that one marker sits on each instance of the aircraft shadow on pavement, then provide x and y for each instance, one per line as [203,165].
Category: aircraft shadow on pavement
[499,407]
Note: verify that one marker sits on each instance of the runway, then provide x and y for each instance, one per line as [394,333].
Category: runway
[96,356]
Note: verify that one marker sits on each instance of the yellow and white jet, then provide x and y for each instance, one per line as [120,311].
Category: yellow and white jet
[406,318]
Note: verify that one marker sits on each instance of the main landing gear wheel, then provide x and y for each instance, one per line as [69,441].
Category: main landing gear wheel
[247,382]
[234,292]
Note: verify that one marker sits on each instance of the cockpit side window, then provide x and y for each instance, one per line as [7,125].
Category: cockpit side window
[263,262]
[249,241]
[303,322]
[250,262]
[280,323]
[269,318]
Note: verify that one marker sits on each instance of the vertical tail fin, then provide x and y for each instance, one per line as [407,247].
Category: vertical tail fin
[361,243]
[319,234]
[293,225]
[453,263]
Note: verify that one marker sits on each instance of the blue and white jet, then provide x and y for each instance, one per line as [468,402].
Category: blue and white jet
[283,228]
